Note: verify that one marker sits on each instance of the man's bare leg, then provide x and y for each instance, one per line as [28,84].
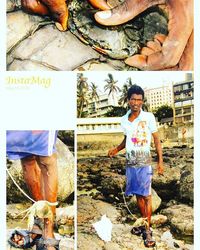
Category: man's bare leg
[145,207]
[32,177]
[48,166]
[148,209]
[187,59]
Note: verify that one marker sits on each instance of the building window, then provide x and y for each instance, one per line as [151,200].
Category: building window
[185,86]
[190,94]
[188,102]
[177,97]
[178,111]
[187,110]
[178,104]
[177,88]
[187,118]
[178,119]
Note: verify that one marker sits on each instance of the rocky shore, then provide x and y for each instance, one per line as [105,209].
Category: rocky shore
[101,183]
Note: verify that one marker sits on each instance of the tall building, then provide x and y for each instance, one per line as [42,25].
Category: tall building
[100,106]
[184,100]
[160,96]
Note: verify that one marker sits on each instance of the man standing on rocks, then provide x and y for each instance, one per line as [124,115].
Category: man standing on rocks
[139,127]
[36,150]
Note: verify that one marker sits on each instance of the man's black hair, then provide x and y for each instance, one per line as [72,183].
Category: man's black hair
[135,89]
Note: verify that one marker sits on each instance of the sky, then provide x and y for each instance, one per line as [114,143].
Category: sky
[147,79]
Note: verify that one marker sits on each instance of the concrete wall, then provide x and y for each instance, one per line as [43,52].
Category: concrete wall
[180,134]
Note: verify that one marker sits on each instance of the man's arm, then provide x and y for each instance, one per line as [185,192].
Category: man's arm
[157,143]
[114,151]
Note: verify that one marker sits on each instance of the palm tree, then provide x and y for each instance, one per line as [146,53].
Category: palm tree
[82,93]
[111,86]
[94,94]
[145,105]
[125,88]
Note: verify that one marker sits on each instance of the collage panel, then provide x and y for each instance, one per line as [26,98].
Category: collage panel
[40,189]
[113,164]
[93,35]
[39,129]
[142,196]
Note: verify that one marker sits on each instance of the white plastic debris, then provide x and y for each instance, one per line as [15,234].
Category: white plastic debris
[104,228]
[168,239]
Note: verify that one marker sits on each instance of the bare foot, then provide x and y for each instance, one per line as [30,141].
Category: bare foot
[158,55]
[125,11]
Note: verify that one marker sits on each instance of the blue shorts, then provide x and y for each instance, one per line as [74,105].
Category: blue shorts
[23,143]
[138,180]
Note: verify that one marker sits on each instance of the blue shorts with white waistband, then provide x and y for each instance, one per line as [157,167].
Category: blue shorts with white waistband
[138,180]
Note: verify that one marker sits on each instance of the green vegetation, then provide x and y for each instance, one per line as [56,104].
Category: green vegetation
[116,112]
[164,111]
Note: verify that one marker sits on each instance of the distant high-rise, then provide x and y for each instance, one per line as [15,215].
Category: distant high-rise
[184,100]
[100,106]
[189,77]
[160,96]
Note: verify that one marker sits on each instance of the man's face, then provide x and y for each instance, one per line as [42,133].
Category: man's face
[135,102]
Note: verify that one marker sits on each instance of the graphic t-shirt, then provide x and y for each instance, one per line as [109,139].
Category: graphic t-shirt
[138,138]
[21,143]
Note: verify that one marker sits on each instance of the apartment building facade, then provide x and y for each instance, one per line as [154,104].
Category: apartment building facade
[184,100]
[160,96]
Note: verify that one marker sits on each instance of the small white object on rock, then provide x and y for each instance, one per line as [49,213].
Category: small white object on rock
[104,228]
[168,239]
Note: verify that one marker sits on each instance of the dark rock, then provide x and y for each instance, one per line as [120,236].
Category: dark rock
[163,183]
[90,210]
[181,219]
[186,189]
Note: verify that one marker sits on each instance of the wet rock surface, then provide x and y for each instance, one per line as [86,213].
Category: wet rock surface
[65,162]
[90,211]
[187,182]
[100,184]
[49,49]
[33,42]
[181,219]
[65,220]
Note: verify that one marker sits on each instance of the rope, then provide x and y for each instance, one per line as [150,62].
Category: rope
[19,186]
[124,198]
[27,211]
